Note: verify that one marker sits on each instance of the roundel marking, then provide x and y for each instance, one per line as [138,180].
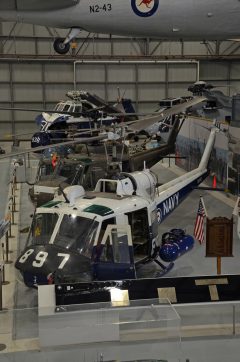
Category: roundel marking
[159,215]
[144,8]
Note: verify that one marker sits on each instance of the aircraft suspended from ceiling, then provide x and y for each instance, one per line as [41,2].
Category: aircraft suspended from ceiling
[141,18]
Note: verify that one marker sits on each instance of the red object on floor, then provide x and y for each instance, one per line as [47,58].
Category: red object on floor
[214,184]
[54,160]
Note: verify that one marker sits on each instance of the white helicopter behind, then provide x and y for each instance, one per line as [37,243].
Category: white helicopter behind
[108,233]
[82,112]
[185,19]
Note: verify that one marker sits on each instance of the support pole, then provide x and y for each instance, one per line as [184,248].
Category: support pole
[219,265]
[2,346]
[234,320]
[1,295]
[7,249]
[4,282]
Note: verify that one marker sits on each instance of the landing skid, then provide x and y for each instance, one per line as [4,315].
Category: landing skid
[164,269]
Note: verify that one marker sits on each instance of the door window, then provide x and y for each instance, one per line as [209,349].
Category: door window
[138,221]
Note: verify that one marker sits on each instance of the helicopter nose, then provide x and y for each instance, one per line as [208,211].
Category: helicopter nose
[46,264]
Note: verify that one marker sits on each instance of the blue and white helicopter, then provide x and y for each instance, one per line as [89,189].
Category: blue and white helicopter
[109,233]
[83,113]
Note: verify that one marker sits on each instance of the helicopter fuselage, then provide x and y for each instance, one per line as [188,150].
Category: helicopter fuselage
[103,234]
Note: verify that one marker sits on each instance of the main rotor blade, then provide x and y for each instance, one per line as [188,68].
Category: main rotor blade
[117,114]
[85,114]
[42,148]
[73,132]
[66,113]
[72,113]
[159,116]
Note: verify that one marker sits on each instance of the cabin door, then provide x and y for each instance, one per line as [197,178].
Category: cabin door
[116,257]
[138,221]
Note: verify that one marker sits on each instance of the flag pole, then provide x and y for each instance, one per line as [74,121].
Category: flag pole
[203,204]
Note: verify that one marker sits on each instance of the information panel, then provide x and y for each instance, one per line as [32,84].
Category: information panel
[219,239]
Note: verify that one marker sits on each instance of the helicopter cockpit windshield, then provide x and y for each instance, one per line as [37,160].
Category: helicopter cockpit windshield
[42,228]
[62,107]
[59,107]
[77,234]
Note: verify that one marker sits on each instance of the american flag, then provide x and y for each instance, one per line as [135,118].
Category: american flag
[199,223]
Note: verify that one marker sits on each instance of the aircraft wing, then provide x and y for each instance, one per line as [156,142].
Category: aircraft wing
[179,108]
[36,5]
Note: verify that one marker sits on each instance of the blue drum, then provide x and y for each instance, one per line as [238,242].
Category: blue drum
[174,244]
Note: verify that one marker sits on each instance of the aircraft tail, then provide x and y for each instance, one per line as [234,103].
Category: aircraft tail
[172,193]
[201,170]
[128,108]
[177,125]
[208,149]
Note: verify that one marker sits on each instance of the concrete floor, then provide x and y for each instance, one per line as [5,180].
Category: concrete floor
[25,324]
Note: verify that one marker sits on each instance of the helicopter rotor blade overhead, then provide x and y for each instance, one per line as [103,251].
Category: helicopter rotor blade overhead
[159,116]
[83,113]
[71,133]
[42,148]
[73,113]
[87,114]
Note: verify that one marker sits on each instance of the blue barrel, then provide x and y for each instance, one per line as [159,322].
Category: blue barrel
[176,244]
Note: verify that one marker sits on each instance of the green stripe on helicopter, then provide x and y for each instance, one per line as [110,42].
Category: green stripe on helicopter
[99,210]
[51,204]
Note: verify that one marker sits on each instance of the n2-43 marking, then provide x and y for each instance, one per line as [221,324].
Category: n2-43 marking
[98,9]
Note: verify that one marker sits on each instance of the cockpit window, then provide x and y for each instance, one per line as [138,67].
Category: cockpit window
[42,228]
[59,107]
[78,109]
[87,106]
[66,108]
[110,186]
[77,233]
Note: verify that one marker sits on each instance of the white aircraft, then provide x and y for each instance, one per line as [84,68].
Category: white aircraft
[108,233]
[175,19]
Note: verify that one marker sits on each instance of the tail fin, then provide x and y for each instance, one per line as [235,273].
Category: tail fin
[197,172]
[127,105]
[208,149]
[171,194]
[177,125]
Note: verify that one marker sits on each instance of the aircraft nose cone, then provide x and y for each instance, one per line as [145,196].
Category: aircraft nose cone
[46,264]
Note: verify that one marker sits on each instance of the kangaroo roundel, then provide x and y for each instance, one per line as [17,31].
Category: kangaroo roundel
[145,8]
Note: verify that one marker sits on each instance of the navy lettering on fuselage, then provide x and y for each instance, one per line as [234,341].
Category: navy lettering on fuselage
[167,206]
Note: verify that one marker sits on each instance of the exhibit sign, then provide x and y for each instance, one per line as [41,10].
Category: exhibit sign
[219,240]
